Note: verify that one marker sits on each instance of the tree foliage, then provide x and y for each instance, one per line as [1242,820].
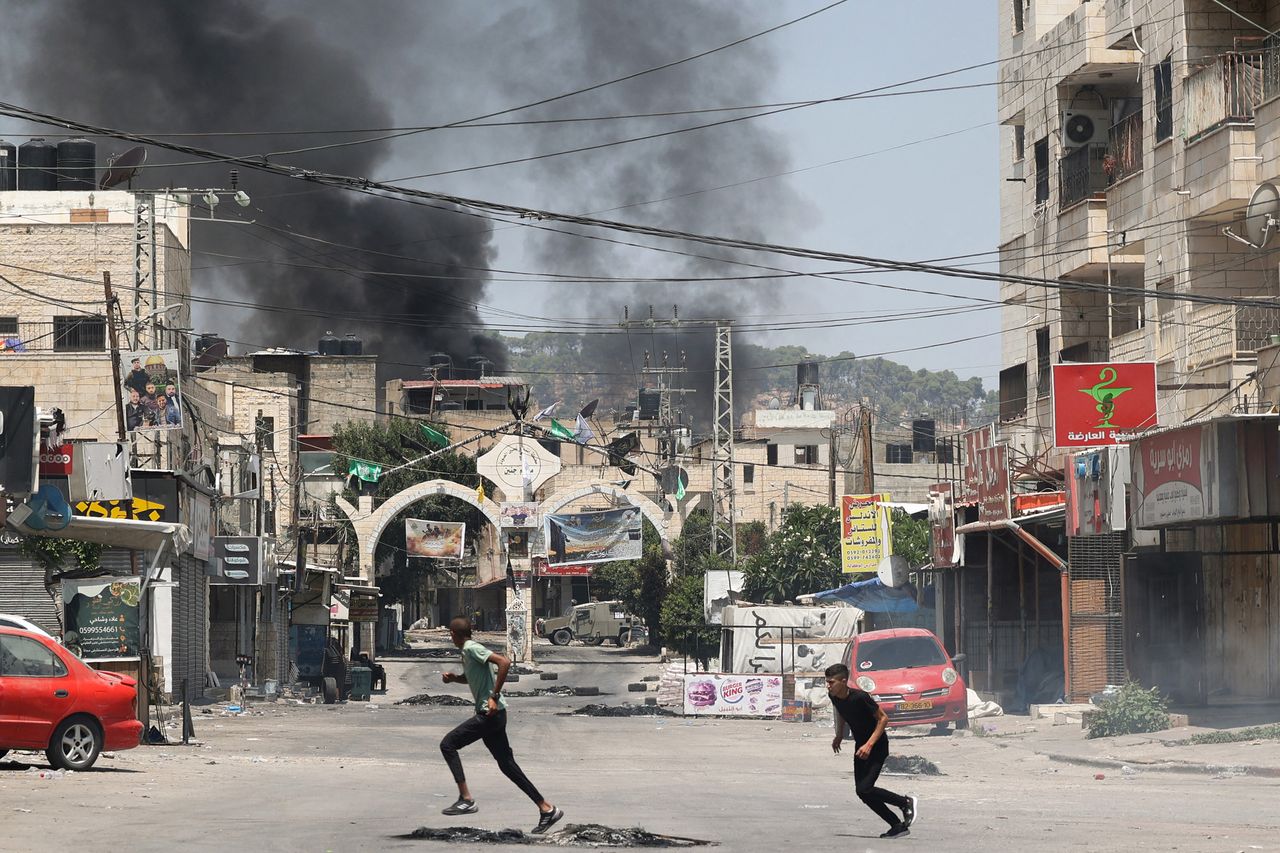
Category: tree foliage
[800,557]
[641,585]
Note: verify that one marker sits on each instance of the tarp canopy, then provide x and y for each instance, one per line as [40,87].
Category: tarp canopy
[873,596]
[116,533]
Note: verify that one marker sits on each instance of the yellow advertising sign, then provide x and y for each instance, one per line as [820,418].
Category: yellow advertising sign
[864,532]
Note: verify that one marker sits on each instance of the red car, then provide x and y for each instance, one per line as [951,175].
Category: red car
[911,676]
[51,701]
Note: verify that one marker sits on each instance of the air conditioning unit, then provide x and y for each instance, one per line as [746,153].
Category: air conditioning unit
[1085,127]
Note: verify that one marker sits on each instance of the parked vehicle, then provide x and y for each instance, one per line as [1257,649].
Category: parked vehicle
[592,623]
[9,620]
[911,676]
[51,701]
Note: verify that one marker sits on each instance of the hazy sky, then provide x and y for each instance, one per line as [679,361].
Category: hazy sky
[411,63]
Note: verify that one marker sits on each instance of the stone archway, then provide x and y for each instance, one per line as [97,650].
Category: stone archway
[369,523]
[668,524]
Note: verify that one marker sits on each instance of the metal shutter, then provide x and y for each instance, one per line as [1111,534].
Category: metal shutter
[190,625]
[22,592]
[1096,632]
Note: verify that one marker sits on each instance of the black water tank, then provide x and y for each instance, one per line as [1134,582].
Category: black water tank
[8,166]
[37,165]
[210,349]
[650,402]
[478,365]
[807,373]
[441,364]
[329,344]
[922,435]
[77,164]
[351,345]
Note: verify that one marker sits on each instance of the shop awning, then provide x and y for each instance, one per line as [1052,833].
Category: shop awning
[1015,526]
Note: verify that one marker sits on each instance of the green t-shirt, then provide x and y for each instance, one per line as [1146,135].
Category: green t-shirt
[481,675]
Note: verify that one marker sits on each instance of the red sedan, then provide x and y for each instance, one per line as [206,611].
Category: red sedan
[910,675]
[51,701]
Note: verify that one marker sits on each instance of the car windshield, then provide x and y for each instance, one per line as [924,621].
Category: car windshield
[899,653]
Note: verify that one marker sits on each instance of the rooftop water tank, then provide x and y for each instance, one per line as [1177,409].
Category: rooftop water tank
[807,373]
[441,365]
[351,345]
[77,167]
[329,344]
[650,402]
[37,165]
[8,166]
[478,366]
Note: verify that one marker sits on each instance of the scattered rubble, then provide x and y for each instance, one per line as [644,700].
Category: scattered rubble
[911,764]
[623,711]
[429,699]
[559,690]
[573,835]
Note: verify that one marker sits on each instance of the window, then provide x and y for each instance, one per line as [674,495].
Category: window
[1019,143]
[27,658]
[1013,392]
[748,474]
[1017,16]
[267,432]
[898,454]
[771,455]
[1164,99]
[1042,362]
[8,325]
[79,334]
[1166,308]
[1042,170]
[806,454]
[1128,313]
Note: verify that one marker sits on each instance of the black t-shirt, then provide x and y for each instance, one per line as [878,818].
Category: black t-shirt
[858,709]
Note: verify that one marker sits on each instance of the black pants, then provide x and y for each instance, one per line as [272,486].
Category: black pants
[865,774]
[493,731]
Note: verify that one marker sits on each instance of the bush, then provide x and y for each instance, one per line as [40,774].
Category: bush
[1132,710]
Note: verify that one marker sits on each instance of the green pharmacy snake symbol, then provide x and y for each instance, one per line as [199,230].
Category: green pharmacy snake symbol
[1105,395]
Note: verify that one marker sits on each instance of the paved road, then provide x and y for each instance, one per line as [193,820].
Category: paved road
[351,777]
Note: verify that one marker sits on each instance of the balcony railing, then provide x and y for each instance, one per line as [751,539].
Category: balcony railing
[82,334]
[1226,90]
[1082,175]
[1227,332]
[1124,148]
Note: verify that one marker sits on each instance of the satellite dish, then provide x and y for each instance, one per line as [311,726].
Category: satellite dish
[124,167]
[1261,214]
[775,403]
[893,571]
[673,477]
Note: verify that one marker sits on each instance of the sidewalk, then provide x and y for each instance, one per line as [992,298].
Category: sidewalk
[1154,752]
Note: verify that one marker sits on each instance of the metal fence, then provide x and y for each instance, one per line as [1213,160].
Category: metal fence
[1227,332]
[1228,89]
[1082,175]
[62,334]
[1125,147]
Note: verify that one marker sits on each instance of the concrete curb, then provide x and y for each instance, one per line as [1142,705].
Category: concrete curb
[1164,766]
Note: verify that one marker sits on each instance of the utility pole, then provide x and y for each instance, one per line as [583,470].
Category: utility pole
[868,453]
[113,308]
[724,524]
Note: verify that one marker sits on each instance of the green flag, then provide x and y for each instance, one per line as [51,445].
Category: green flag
[679,488]
[434,436]
[366,471]
[559,430]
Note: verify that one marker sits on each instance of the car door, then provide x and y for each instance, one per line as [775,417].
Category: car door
[36,691]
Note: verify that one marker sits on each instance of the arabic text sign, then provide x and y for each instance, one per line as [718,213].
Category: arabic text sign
[993,483]
[439,540]
[1093,402]
[974,440]
[942,525]
[594,537]
[1169,477]
[864,532]
[733,695]
[102,618]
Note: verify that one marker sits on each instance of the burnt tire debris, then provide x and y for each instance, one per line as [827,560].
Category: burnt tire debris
[573,835]
[595,710]
[913,764]
[429,699]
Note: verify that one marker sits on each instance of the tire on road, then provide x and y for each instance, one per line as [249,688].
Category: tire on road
[561,637]
[623,638]
[592,641]
[329,689]
[75,744]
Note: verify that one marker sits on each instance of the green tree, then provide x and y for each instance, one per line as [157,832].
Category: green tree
[800,557]
[684,626]
[641,585]
[910,538]
[391,444]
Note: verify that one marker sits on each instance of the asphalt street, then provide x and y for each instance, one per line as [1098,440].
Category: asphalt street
[357,776]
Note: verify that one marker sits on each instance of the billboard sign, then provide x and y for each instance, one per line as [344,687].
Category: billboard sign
[519,514]
[437,540]
[594,537]
[864,532]
[1093,402]
[57,461]
[942,525]
[1186,475]
[151,390]
[237,561]
[716,694]
[102,618]
[974,440]
[993,483]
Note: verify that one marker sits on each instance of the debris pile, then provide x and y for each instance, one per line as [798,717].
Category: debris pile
[594,710]
[560,690]
[911,764]
[429,699]
[573,835]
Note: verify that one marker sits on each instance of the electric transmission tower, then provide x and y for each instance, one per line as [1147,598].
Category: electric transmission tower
[724,525]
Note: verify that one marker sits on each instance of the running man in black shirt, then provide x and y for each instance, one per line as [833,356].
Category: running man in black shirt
[856,709]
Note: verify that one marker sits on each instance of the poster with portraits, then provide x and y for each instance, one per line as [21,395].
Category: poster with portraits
[439,540]
[150,390]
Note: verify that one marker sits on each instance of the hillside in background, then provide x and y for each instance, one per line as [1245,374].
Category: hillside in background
[578,368]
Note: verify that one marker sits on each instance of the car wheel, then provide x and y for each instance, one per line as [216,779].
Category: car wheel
[940,728]
[623,638]
[562,637]
[962,723]
[592,641]
[75,744]
[329,688]
[3,753]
